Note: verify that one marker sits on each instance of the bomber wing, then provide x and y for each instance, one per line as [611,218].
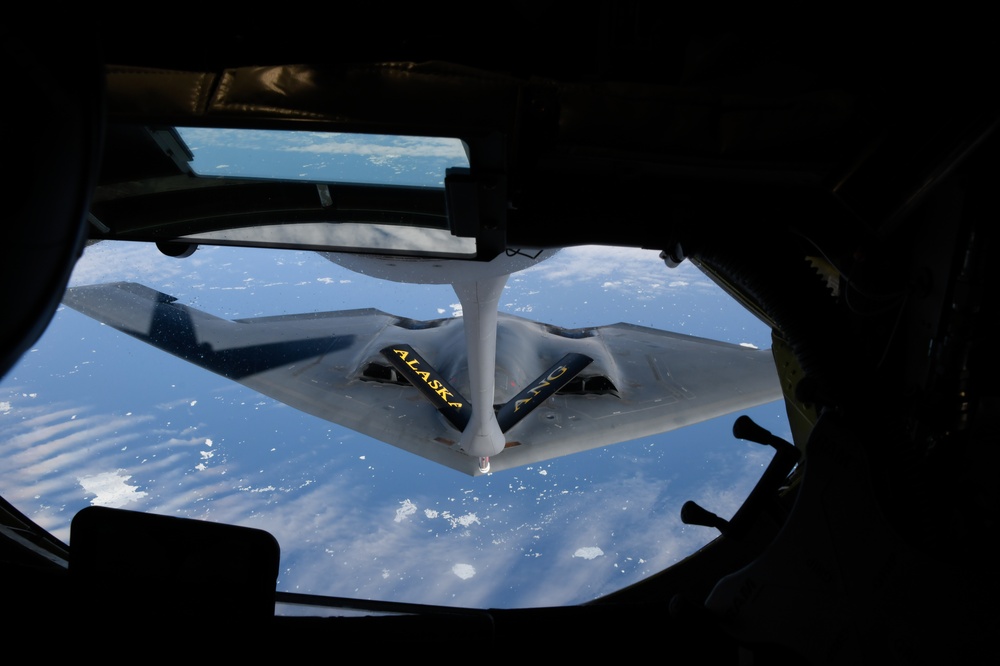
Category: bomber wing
[641,381]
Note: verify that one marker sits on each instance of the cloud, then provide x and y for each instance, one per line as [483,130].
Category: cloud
[110,261]
[110,489]
[405,510]
[464,571]
[589,552]
[465,520]
[612,265]
[388,147]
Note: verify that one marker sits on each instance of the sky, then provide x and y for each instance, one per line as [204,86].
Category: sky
[93,417]
[90,416]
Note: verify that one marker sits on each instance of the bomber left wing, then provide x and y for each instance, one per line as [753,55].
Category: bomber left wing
[635,382]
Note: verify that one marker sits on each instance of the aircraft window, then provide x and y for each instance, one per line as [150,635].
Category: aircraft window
[379,372]
[91,416]
[590,386]
[329,157]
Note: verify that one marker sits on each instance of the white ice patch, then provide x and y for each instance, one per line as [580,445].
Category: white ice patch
[406,509]
[464,571]
[589,552]
[110,489]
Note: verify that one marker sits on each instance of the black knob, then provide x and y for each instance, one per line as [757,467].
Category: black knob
[694,514]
